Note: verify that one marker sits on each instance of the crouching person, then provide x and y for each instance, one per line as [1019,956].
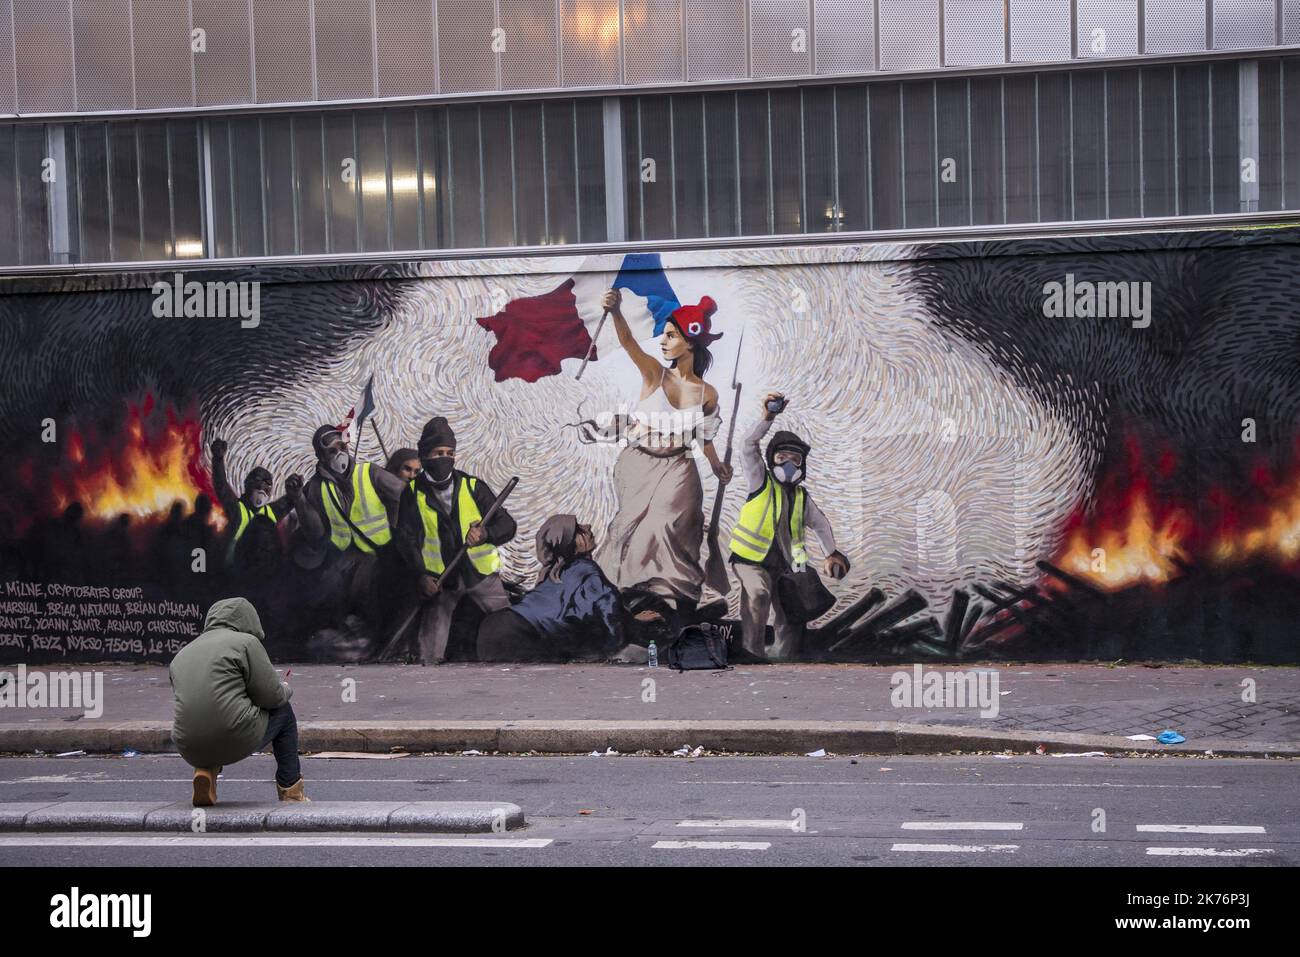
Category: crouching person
[230,703]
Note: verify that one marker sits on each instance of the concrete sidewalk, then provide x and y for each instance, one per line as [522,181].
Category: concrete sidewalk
[764,709]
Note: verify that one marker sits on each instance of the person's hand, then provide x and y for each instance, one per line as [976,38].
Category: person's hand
[836,565]
[723,471]
[611,300]
[293,485]
[429,586]
[476,535]
[768,414]
[218,449]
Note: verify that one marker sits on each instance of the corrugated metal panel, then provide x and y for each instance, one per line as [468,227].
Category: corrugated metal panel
[973,32]
[344,49]
[102,34]
[43,51]
[408,63]
[652,41]
[1242,24]
[589,42]
[164,71]
[909,34]
[223,71]
[282,50]
[531,58]
[1175,26]
[1107,28]
[780,37]
[1040,30]
[7,101]
[715,39]
[466,60]
[846,36]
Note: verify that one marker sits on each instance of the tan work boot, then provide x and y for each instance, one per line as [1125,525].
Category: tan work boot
[205,787]
[293,792]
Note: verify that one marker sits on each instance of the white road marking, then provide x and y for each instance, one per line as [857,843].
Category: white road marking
[226,780]
[778,823]
[958,848]
[962,826]
[264,840]
[1203,828]
[712,845]
[1207,851]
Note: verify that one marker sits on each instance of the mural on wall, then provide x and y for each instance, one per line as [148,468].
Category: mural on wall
[1033,449]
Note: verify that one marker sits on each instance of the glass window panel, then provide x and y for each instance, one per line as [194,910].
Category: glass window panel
[1054,147]
[820,199]
[755,183]
[788,214]
[561,173]
[1290,124]
[1088,147]
[1270,134]
[720,133]
[222,226]
[187,189]
[308,159]
[1192,116]
[466,211]
[851,155]
[1124,181]
[986,175]
[631,118]
[656,145]
[589,142]
[155,191]
[125,188]
[498,175]
[342,192]
[373,173]
[92,181]
[277,169]
[886,132]
[688,165]
[530,173]
[9,218]
[405,179]
[33,194]
[920,175]
[246,183]
[1019,97]
[1158,156]
[954,179]
[1225,136]
[67,136]
[433,177]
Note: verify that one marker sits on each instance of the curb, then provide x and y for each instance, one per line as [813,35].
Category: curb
[569,737]
[436,817]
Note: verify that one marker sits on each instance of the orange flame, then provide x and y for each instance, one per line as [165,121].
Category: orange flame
[1142,549]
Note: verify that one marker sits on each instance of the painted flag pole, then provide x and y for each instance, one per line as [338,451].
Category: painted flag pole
[382,447]
[715,569]
[592,348]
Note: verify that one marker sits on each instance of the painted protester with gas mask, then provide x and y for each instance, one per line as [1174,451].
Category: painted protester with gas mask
[252,517]
[442,509]
[769,537]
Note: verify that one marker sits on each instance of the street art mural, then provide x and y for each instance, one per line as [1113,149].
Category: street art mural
[1030,449]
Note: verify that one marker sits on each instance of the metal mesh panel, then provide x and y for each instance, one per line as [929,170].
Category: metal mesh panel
[43,55]
[715,39]
[1040,30]
[1175,26]
[7,103]
[466,61]
[909,34]
[1291,21]
[973,32]
[780,38]
[164,72]
[652,41]
[531,59]
[846,36]
[1107,28]
[344,50]
[282,50]
[589,42]
[102,32]
[223,72]
[1241,24]
[404,38]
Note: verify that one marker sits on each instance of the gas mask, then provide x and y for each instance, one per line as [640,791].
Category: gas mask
[339,461]
[259,498]
[439,468]
[787,473]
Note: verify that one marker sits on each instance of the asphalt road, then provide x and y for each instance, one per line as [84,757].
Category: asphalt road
[737,811]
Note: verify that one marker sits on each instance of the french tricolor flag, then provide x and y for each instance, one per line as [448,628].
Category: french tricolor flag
[536,332]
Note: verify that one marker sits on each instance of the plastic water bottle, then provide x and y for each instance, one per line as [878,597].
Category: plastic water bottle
[653,661]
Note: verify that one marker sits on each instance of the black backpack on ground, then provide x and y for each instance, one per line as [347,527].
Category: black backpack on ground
[700,647]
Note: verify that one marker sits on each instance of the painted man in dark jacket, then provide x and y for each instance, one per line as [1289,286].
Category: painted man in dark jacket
[442,509]
[253,517]
[231,703]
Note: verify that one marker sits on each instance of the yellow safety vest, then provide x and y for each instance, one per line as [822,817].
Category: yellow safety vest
[244,520]
[367,513]
[755,530]
[484,558]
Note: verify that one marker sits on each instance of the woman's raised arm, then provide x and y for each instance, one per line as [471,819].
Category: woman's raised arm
[651,370]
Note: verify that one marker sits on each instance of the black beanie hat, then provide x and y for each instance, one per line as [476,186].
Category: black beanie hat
[436,433]
[791,443]
[258,474]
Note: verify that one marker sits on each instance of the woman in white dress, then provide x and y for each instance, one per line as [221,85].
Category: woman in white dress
[654,541]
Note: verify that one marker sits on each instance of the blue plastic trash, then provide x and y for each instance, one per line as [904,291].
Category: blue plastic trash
[1170,737]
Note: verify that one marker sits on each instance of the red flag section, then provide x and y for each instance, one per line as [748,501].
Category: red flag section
[535,333]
